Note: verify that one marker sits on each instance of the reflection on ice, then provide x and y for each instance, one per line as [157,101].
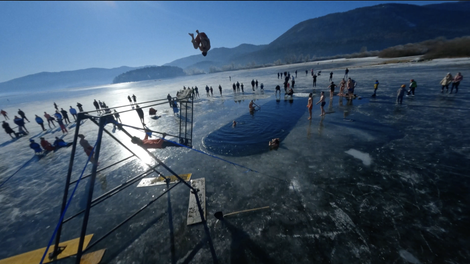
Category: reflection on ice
[365,157]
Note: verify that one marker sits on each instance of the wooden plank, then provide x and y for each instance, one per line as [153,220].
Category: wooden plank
[193,211]
[34,257]
[146,182]
[93,257]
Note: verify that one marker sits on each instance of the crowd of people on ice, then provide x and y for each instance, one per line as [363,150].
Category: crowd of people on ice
[347,86]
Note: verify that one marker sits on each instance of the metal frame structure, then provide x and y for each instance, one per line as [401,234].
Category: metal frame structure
[185,137]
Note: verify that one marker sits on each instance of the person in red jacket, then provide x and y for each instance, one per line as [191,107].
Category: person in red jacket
[46,145]
[201,41]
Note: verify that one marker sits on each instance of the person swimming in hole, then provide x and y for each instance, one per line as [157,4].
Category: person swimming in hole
[274,143]
[201,41]
[252,108]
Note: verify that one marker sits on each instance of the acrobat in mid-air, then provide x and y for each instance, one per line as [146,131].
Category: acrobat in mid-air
[201,41]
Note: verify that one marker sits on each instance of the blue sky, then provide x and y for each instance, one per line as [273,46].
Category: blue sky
[62,36]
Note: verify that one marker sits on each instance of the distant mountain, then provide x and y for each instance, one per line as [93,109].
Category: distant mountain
[149,73]
[367,28]
[217,57]
[65,79]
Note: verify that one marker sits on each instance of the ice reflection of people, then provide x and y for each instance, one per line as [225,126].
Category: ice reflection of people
[274,143]
[322,101]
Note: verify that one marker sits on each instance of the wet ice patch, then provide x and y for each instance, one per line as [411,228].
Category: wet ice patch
[365,157]
[408,257]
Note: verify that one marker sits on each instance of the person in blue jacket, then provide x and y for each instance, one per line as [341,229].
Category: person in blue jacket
[20,123]
[37,148]
[40,122]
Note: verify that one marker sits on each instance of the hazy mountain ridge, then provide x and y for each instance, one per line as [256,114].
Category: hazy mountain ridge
[149,73]
[64,79]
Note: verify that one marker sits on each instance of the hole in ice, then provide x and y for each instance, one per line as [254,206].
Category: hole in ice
[275,119]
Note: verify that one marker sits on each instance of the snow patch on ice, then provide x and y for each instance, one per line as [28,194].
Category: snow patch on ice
[294,185]
[14,213]
[408,257]
[365,157]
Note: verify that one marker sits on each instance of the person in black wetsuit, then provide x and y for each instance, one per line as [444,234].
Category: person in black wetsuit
[140,112]
[8,129]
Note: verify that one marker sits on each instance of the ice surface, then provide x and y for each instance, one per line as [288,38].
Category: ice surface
[411,204]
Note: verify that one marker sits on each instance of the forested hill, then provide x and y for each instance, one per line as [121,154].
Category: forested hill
[368,28]
[149,73]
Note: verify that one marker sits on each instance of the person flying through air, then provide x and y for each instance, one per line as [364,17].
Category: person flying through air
[201,41]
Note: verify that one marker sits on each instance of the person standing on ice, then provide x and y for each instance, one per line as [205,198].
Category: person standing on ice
[331,77]
[4,113]
[8,129]
[446,81]
[97,106]
[65,115]
[22,114]
[332,87]
[201,42]
[413,86]
[49,119]
[117,117]
[80,108]
[140,112]
[73,112]
[400,94]
[220,89]
[168,97]
[134,98]
[376,86]
[40,121]
[129,98]
[20,123]
[346,73]
[55,106]
[310,105]
[322,101]
[87,148]
[457,79]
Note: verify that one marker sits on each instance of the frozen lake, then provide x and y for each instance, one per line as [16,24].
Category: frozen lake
[371,182]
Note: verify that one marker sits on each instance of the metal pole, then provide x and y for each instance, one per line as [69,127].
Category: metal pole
[67,184]
[118,141]
[90,191]
[130,217]
[111,193]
